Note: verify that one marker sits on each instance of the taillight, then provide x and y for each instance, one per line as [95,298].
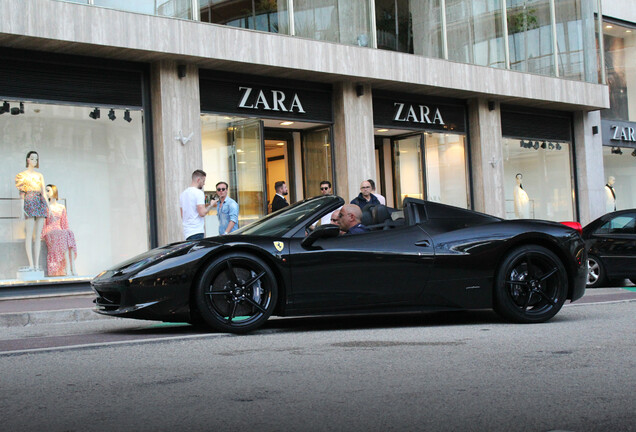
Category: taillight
[574,225]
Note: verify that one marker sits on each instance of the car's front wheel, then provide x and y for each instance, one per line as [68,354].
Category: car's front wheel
[595,272]
[531,285]
[236,293]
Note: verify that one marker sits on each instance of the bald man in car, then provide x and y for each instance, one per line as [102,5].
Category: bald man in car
[349,220]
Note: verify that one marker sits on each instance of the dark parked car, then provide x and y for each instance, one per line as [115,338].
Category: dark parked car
[428,256]
[611,245]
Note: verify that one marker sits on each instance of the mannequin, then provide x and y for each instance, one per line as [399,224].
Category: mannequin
[610,195]
[60,241]
[522,203]
[35,207]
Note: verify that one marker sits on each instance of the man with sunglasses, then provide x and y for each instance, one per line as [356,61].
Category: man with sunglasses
[193,208]
[227,210]
[325,187]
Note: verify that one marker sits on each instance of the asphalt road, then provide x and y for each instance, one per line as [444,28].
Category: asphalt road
[441,371]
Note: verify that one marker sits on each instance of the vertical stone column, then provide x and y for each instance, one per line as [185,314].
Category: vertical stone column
[487,157]
[176,111]
[590,175]
[354,147]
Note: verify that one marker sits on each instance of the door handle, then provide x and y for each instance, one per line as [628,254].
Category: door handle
[423,243]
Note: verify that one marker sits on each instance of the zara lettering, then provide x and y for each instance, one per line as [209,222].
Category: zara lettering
[623,133]
[272,100]
[419,114]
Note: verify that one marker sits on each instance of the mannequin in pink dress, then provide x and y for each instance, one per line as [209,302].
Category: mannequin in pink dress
[35,206]
[60,241]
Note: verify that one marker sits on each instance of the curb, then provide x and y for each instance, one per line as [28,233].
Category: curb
[23,319]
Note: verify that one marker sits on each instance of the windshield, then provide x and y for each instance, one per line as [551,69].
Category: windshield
[279,223]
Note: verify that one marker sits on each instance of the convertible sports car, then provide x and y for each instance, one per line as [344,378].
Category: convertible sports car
[427,256]
[611,248]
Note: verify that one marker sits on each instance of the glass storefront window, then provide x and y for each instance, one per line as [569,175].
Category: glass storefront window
[620,52]
[232,152]
[99,169]
[538,180]
[622,166]
[316,159]
[445,177]
[475,32]
[530,36]
[344,22]
[264,15]
[171,8]
[446,169]
[407,167]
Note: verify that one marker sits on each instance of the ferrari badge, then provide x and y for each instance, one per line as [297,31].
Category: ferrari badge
[279,245]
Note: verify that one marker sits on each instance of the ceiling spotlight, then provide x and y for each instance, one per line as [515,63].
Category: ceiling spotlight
[543,145]
[5,107]
[550,146]
[522,144]
[558,146]
[127,116]
[111,114]
[634,153]
[615,150]
[21,108]
[536,145]
[94,114]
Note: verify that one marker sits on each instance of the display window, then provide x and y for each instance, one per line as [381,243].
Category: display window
[538,181]
[74,199]
[253,154]
[620,169]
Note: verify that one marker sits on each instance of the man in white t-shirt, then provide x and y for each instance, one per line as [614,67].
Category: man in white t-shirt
[193,208]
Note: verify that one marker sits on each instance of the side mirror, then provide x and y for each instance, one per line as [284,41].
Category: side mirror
[323,231]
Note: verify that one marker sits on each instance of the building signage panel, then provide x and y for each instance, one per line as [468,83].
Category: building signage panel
[256,97]
[619,133]
[398,113]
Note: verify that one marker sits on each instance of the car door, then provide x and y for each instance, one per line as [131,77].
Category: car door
[616,245]
[379,269]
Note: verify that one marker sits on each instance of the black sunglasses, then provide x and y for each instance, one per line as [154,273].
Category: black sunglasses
[220,189]
[324,188]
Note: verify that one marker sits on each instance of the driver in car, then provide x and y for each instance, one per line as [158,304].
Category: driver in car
[349,220]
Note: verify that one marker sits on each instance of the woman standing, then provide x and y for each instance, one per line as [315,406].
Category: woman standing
[60,240]
[35,206]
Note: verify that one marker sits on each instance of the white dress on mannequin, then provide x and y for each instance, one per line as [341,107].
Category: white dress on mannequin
[610,195]
[522,202]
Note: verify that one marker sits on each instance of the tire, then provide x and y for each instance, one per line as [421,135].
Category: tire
[596,276]
[531,285]
[236,293]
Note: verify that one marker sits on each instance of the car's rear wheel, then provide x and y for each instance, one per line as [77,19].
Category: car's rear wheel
[595,272]
[531,285]
[236,293]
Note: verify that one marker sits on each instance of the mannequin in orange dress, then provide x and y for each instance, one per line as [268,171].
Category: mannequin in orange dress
[60,241]
[35,206]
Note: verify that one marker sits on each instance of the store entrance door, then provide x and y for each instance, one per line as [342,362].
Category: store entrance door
[278,163]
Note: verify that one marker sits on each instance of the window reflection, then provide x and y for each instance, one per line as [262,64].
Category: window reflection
[530,36]
[475,32]
[407,159]
[446,179]
[575,39]
[171,8]
[264,15]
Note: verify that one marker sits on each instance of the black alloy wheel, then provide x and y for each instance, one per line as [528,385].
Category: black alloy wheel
[236,293]
[531,285]
[596,275]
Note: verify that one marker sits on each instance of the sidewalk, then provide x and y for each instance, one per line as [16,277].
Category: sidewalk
[42,308]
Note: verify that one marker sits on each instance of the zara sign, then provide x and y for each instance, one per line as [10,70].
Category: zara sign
[410,112]
[269,100]
[618,133]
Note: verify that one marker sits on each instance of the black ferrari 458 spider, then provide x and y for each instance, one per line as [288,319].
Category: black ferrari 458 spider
[428,256]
